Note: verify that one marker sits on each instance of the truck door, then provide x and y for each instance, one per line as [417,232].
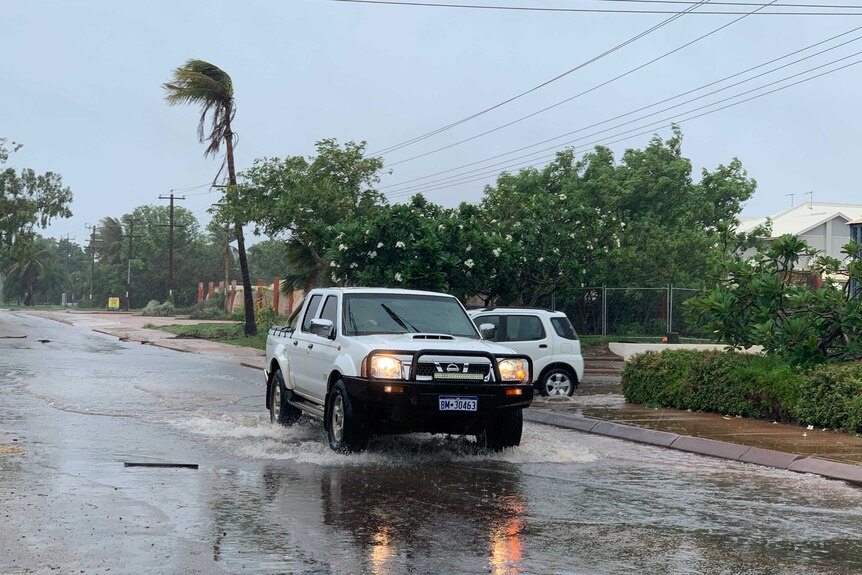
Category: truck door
[323,351]
[297,350]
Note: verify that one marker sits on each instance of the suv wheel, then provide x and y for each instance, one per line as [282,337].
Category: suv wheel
[502,430]
[346,430]
[557,381]
[280,411]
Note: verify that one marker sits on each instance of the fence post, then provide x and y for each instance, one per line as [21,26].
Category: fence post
[669,308]
[276,291]
[604,310]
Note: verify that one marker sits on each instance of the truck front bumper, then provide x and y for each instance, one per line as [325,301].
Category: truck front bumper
[404,406]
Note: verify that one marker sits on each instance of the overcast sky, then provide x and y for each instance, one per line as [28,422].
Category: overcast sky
[80,87]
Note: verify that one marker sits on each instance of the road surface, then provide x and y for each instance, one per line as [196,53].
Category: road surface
[77,406]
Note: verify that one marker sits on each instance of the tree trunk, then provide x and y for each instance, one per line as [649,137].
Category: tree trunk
[248,301]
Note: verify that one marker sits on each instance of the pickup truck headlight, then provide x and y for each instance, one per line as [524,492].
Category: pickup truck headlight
[386,367]
[514,370]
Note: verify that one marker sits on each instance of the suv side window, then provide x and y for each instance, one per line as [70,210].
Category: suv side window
[564,328]
[493,320]
[524,328]
[330,311]
[310,312]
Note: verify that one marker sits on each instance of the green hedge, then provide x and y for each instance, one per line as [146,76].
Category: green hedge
[747,385]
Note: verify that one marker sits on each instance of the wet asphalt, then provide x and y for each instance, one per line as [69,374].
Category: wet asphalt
[75,408]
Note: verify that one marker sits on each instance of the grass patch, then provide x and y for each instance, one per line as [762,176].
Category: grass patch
[231,333]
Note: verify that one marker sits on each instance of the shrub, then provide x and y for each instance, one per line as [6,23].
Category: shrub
[212,308]
[764,387]
[156,309]
[832,397]
[722,382]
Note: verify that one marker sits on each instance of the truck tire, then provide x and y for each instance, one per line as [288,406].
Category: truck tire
[280,411]
[346,429]
[502,430]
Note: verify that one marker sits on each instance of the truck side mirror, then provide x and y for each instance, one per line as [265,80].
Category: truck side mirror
[323,328]
[488,330]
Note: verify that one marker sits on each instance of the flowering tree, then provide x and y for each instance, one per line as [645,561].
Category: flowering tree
[419,245]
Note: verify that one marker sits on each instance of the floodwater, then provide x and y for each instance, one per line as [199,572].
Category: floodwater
[268,500]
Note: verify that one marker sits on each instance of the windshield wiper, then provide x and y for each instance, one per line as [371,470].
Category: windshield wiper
[398,319]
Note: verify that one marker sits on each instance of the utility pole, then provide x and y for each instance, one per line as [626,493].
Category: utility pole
[68,239]
[810,200]
[131,235]
[92,258]
[171,245]
[226,256]
[792,196]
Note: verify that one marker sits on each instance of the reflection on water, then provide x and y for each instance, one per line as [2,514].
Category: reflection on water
[421,516]
[506,541]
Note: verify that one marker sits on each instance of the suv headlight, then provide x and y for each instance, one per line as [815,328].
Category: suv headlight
[514,370]
[386,367]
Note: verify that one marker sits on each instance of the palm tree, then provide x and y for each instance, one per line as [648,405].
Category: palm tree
[29,268]
[201,83]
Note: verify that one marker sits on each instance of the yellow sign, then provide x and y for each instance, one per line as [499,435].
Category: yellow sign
[113,303]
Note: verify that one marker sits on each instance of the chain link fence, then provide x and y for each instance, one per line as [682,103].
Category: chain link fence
[647,313]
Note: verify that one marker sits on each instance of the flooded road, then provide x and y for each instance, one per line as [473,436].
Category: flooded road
[265,499]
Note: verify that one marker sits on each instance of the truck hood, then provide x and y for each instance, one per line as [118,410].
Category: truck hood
[417,341]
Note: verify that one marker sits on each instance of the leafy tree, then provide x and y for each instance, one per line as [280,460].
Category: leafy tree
[201,83]
[28,200]
[766,301]
[268,259]
[302,200]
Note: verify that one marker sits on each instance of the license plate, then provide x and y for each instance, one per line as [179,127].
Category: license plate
[450,403]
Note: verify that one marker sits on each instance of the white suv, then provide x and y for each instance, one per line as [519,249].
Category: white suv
[547,337]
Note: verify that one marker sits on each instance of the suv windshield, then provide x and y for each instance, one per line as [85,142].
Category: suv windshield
[372,313]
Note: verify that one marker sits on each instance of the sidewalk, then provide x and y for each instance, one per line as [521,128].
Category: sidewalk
[597,407]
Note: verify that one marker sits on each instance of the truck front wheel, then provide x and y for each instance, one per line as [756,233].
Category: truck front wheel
[502,430]
[346,428]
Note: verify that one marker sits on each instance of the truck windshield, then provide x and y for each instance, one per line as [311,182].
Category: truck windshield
[372,313]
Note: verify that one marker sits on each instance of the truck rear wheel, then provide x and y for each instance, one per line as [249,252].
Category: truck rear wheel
[346,428]
[502,430]
[280,411]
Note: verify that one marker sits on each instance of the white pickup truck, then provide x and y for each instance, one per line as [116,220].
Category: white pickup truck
[372,360]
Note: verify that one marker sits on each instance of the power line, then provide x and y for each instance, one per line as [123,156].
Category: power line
[631,40]
[583,93]
[616,10]
[680,95]
[652,127]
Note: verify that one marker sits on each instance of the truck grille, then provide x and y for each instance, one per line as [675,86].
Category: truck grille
[427,369]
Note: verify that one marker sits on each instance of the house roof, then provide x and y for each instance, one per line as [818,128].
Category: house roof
[804,217]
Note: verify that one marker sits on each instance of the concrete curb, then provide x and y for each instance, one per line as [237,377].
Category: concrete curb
[700,446]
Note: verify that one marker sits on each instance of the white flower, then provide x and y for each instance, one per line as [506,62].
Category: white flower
[541,259]
[469,263]
[373,254]
[399,244]
[334,278]
[623,225]
[508,237]
[342,247]
[379,244]
[572,236]
[493,221]
[469,247]
[496,252]
[440,227]
[354,265]
[562,196]
[460,226]
[333,265]
[398,277]
[339,236]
